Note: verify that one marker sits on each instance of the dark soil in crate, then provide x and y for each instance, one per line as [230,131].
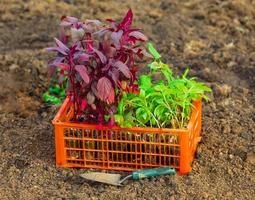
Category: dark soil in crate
[214,38]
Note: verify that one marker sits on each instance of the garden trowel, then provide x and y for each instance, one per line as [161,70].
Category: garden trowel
[117,180]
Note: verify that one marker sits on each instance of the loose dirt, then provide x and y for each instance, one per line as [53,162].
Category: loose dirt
[214,38]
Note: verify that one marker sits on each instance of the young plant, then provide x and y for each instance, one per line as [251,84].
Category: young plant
[57,91]
[164,104]
[55,95]
[100,63]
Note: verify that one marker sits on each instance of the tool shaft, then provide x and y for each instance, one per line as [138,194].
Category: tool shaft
[127,177]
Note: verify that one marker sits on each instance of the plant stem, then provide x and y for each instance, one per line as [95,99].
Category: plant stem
[72,74]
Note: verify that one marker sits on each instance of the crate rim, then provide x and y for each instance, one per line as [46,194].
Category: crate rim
[56,121]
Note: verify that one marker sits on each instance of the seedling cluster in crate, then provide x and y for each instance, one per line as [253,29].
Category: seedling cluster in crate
[115,116]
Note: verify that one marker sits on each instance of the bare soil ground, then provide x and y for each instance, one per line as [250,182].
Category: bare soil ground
[216,39]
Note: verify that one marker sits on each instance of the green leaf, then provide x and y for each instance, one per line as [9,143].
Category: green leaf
[47,98]
[121,106]
[126,121]
[106,117]
[153,51]
[127,124]
[62,93]
[55,89]
[118,118]
[154,65]
[145,82]
[159,111]
[160,87]
[142,93]
[144,115]
[185,73]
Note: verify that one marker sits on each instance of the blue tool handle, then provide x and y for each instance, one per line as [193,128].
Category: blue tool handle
[146,173]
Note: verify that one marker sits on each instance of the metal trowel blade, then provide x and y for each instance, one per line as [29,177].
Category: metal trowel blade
[112,179]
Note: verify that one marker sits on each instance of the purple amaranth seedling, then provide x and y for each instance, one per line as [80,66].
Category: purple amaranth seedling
[100,62]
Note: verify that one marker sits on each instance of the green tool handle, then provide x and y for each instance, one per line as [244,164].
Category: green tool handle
[146,173]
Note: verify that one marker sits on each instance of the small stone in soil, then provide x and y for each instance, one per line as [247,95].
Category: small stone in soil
[69,1]
[44,114]
[101,188]
[79,180]
[132,195]
[237,129]
[222,90]
[230,172]
[226,128]
[20,164]
[70,174]
[245,91]
[246,135]
[205,195]
[13,67]
[161,180]
[232,64]
[251,158]
[241,153]
[229,194]
[93,198]
[171,198]
[64,172]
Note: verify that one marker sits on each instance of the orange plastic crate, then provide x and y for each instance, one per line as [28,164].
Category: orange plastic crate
[88,146]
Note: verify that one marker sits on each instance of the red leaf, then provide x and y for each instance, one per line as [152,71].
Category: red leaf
[101,56]
[116,36]
[115,76]
[52,64]
[69,19]
[83,72]
[94,89]
[90,98]
[122,67]
[72,19]
[105,90]
[63,17]
[57,60]
[127,21]
[110,20]
[83,57]
[89,42]
[111,97]
[94,21]
[77,34]
[145,53]
[65,23]
[61,78]
[62,35]
[49,49]
[111,121]
[108,49]
[83,104]
[138,35]
[63,66]
[61,45]
[101,32]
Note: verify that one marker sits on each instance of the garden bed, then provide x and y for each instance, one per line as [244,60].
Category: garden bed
[198,34]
